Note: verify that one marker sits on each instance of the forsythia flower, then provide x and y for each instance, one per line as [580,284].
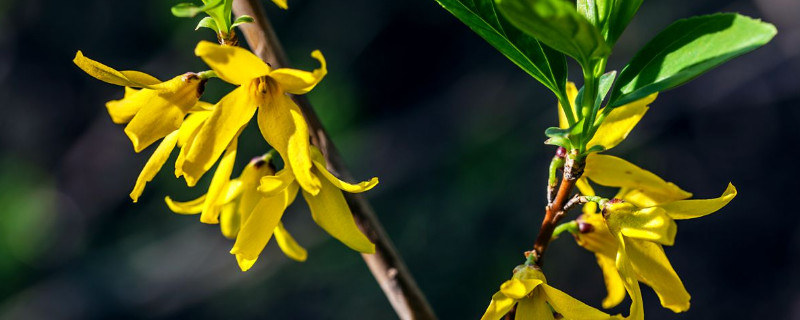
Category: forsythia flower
[155,111]
[627,237]
[528,289]
[262,89]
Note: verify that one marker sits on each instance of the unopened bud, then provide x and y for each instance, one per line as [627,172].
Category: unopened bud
[561,152]
[584,227]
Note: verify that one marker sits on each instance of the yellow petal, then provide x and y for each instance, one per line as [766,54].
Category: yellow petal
[122,111]
[163,109]
[219,185]
[690,209]
[599,240]
[202,106]
[190,126]
[319,163]
[154,164]
[298,81]
[281,4]
[107,74]
[288,245]
[534,307]
[647,224]
[189,207]
[250,176]
[653,267]
[232,113]
[614,284]
[586,189]
[259,226]
[232,64]
[570,307]
[271,185]
[229,221]
[629,278]
[611,171]
[498,308]
[619,123]
[519,288]
[282,124]
[330,211]
[572,93]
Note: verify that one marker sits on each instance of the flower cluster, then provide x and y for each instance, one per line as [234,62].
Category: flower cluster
[248,208]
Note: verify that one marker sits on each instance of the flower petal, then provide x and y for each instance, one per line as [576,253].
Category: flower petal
[271,185]
[647,224]
[282,124]
[498,308]
[110,75]
[319,163]
[298,81]
[519,288]
[229,221]
[690,209]
[653,267]
[281,4]
[232,113]
[330,211]
[599,240]
[250,180]
[154,164]
[233,64]
[219,185]
[189,207]
[190,126]
[288,245]
[612,171]
[629,278]
[534,307]
[572,93]
[614,284]
[259,226]
[620,122]
[122,111]
[570,307]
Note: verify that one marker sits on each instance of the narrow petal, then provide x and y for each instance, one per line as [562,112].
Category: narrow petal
[498,308]
[219,186]
[620,122]
[570,307]
[250,180]
[534,307]
[257,230]
[281,4]
[288,245]
[647,224]
[572,93]
[519,288]
[190,126]
[163,109]
[110,75]
[270,185]
[232,113]
[189,207]
[282,124]
[612,171]
[599,240]
[229,221]
[298,81]
[122,111]
[629,278]
[330,211]
[319,163]
[653,267]
[690,209]
[233,64]
[614,284]
[154,164]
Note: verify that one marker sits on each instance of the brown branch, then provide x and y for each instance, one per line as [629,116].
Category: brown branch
[555,211]
[386,264]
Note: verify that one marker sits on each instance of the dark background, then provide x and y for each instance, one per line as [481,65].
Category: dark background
[453,130]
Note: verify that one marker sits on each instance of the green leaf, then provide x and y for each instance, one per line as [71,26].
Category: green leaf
[559,141]
[687,49]
[543,63]
[606,80]
[618,18]
[207,22]
[557,24]
[242,20]
[220,10]
[185,10]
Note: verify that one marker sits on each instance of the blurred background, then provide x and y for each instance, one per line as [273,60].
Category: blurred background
[453,130]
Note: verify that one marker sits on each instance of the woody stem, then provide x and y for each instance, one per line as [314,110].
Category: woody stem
[573,169]
[386,264]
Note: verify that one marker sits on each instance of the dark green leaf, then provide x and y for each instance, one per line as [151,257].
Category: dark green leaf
[687,49]
[606,80]
[241,20]
[557,24]
[618,18]
[544,64]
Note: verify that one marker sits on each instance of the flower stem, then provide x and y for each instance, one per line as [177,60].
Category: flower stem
[386,264]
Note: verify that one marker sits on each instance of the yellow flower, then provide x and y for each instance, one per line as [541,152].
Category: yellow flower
[246,215]
[616,126]
[627,238]
[153,112]
[262,89]
[528,289]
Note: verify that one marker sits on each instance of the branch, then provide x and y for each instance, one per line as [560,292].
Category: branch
[386,264]
[555,210]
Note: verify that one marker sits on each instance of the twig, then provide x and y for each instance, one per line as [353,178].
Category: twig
[386,264]
[555,211]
